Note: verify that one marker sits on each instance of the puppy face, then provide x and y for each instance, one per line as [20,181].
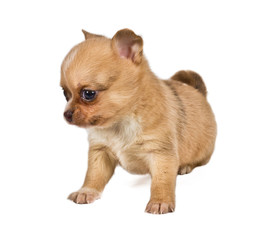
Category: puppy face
[100,78]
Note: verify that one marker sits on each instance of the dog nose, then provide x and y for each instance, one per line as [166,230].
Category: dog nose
[68,115]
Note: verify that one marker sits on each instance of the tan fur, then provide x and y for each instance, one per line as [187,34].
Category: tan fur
[138,121]
[191,78]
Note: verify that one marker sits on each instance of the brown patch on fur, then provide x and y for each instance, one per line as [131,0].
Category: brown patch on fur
[191,78]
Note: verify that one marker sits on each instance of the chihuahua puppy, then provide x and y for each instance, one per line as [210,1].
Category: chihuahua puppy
[134,119]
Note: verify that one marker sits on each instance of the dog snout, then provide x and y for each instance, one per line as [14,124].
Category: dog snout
[68,115]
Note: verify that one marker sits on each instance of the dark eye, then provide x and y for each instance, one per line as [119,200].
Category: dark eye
[65,94]
[88,95]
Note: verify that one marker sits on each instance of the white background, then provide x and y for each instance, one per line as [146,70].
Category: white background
[43,159]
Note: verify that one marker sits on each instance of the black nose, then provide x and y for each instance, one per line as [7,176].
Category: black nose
[68,115]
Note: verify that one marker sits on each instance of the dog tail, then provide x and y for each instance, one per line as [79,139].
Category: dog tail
[191,78]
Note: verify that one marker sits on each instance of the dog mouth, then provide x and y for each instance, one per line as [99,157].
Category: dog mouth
[96,120]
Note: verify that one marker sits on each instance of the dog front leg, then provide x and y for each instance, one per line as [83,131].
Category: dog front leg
[163,170]
[101,166]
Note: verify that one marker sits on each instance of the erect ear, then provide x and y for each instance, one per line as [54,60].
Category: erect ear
[128,45]
[90,35]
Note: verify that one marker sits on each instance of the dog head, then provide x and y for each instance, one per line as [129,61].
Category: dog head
[100,78]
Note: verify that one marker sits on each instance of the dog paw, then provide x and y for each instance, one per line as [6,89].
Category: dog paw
[184,170]
[160,208]
[84,195]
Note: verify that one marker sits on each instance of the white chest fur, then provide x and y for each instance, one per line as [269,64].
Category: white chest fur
[121,139]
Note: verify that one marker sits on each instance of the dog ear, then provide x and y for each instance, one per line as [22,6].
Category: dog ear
[128,45]
[90,35]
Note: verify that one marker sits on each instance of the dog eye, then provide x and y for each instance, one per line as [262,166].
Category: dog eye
[88,95]
[65,94]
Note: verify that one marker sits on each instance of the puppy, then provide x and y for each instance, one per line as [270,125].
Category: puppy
[134,119]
